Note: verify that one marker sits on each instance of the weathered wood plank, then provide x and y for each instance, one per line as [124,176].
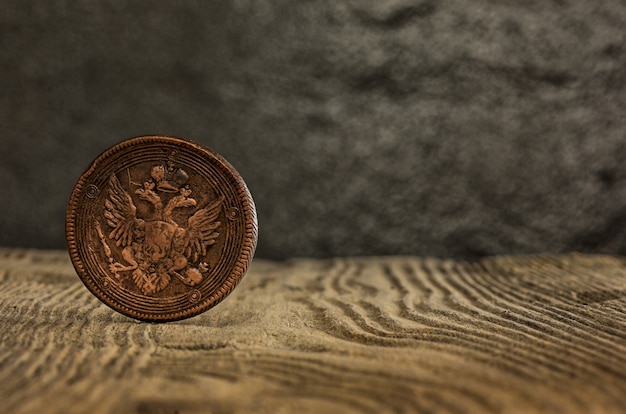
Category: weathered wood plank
[398,334]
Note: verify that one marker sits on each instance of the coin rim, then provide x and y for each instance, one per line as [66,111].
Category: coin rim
[245,255]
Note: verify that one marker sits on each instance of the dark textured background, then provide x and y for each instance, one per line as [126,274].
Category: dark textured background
[447,128]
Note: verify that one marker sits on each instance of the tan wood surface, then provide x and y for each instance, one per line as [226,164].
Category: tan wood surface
[506,334]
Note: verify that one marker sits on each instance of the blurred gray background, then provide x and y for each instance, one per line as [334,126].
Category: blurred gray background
[444,128]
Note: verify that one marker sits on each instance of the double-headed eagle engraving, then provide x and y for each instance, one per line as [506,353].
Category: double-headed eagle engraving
[157,248]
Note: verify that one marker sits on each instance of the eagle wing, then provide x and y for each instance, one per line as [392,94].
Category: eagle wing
[201,230]
[120,213]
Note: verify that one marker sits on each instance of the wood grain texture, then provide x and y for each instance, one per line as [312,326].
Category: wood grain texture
[397,334]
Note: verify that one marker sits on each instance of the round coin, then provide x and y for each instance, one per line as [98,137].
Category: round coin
[160,228]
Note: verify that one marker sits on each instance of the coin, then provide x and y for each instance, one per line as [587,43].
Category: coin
[160,228]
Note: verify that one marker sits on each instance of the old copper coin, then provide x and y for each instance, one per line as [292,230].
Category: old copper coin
[160,228]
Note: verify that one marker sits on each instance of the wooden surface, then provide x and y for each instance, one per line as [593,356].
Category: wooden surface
[507,334]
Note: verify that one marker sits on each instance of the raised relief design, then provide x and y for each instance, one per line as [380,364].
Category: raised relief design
[157,248]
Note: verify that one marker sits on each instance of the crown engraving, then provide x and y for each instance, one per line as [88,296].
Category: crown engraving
[168,179]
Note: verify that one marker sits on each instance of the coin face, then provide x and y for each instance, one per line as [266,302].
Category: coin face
[160,228]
